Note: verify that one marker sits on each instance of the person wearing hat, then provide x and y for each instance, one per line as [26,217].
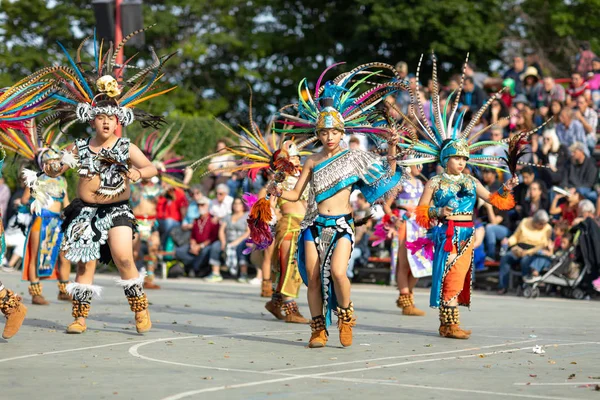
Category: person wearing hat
[531,83]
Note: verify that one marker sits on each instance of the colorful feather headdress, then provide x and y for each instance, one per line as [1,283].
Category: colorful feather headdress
[447,136]
[342,103]
[24,101]
[37,146]
[87,89]
[160,152]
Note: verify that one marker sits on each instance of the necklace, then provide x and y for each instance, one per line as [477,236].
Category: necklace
[454,178]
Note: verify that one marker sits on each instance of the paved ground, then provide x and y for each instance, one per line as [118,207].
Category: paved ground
[213,341]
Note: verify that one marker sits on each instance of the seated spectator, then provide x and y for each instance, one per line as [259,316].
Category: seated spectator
[529,246]
[531,84]
[569,130]
[500,225]
[560,229]
[594,82]
[548,92]
[220,207]
[204,232]
[472,97]
[170,209]
[520,191]
[233,233]
[553,154]
[589,119]
[582,172]
[497,134]
[490,179]
[566,206]
[193,211]
[497,114]
[219,161]
[535,199]
[579,87]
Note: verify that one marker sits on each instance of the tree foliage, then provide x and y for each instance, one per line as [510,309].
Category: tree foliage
[224,45]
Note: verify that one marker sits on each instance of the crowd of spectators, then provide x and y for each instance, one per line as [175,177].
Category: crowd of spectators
[204,229]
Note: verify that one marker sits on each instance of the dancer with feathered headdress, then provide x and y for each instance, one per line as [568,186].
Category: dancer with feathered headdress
[46,197]
[327,237]
[446,206]
[19,104]
[99,225]
[255,153]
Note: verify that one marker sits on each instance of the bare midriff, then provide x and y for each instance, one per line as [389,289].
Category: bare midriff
[146,208]
[87,187]
[55,207]
[462,218]
[338,204]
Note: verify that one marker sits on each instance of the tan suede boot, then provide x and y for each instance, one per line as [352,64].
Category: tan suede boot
[407,303]
[80,311]
[142,316]
[14,311]
[292,314]
[274,306]
[318,338]
[450,324]
[35,290]
[346,321]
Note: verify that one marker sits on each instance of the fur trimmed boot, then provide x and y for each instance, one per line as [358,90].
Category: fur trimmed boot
[274,306]
[318,338]
[138,302]
[62,291]
[450,323]
[13,310]
[346,320]
[292,314]
[82,298]
[35,290]
[266,288]
[407,303]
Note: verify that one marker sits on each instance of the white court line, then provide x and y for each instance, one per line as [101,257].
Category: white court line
[327,376]
[447,389]
[46,353]
[555,383]
[406,356]
[183,395]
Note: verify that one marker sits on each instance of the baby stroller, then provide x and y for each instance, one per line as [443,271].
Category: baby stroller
[560,274]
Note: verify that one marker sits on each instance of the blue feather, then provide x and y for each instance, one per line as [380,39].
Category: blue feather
[63,99]
[96,51]
[84,83]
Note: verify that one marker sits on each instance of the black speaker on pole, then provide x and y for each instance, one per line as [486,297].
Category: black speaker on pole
[132,19]
[104,11]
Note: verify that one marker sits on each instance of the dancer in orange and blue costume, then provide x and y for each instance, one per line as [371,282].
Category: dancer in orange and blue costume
[448,200]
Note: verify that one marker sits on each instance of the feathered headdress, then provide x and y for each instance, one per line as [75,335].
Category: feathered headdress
[256,153]
[447,136]
[342,103]
[87,89]
[159,151]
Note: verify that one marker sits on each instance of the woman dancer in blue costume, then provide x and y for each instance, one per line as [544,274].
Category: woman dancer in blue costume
[446,206]
[327,235]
